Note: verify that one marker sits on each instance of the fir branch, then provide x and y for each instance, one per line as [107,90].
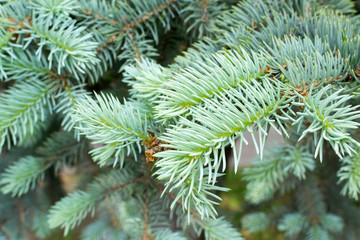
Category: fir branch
[135,48]
[146,78]
[338,28]
[206,79]
[315,68]
[168,234]
[106,57]
[349,175]
[274,170]
[292,224]
[215,229]
[58,149]
[313,60]
[192,143]
[62,148]
[54,8]
[288,49]
[280,24]
[332,223]
[15,11]
[23,105]
[72,50]
[255,222]
[353,59]
[311,203]
[24,65]
[98,16]
[140,20]
[67,99]
[298,160]
[155,11]
[327,114]
[195,141]
[5,49]
[200,16]
[207,46]
[40,226]
[71,210]
[253,14]
[316,232]
[22,176]
[108,122]
[99,230]
[265,63]
[193,191]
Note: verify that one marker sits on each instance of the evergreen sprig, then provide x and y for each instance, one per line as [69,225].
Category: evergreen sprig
[274,170]
[206,79]
[349,174]
[22,107]
[219,228]
[23,175]
[71,210]
[246,67]
[325,110]
[64,40]
[118,127]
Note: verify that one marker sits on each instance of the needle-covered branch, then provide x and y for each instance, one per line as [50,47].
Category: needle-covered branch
[118,128]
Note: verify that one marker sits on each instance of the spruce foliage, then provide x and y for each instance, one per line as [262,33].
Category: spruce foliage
[93,86]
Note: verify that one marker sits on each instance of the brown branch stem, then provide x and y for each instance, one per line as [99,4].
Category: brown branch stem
[135,23]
